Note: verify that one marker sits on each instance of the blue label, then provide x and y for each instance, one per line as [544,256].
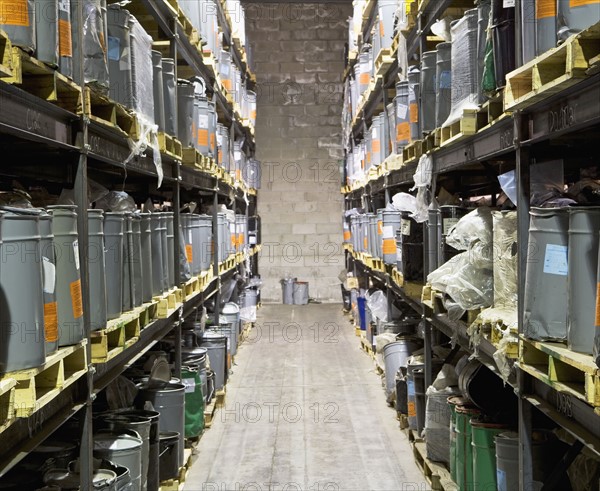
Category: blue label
[501,478]
[555,260]
[114,48]
[445,79]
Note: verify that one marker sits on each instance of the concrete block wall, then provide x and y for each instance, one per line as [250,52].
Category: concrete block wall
[297,53]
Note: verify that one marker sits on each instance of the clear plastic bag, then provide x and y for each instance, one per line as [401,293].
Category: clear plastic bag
[474,226]
[116,201]
[405,202]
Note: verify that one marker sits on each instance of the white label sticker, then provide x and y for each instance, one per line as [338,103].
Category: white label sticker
[203,121]
[252,240]
[49,273]
[508,4]
[190,385]
[448,224]
[399,254]
[401,110]
[388,232]
[405,226]
[374,133]
[76,253]
[64,5]
[555,259]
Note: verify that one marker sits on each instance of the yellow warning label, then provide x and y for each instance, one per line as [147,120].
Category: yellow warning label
[76,299]
[203,137]
[189,253]
[413,112]
[545,8]
[50,322]
[389,246]
[14,13]
[581,3]
[402,131]
[64,38]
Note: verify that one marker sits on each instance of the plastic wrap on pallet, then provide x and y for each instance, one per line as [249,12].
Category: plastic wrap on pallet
[483,18]
[422,180]
[505,258]
[437,422]
[141,70]
[119,56]
[95,55]
[475,226]
[464,65]
[19,23]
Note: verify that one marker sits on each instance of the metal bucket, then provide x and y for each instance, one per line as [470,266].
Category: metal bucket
[128,286]
[158,90]
[171,247]
[122,449]
[453,403]
[364,64]
[484,453]
[427,89]
[142,426]
[169,457]
[231,331]
[146,261]
[389,133]
[170,96]
[60,452]
[437,422]
[434,240]
[224,236]
[210,385]
[206,238]
[169,401]
[301,293]
[376,139]
[414,76]
[194,401]
[136,259]
[113,258]
[185,113]
[231,314]
[464,449]
[373,242]
[167,263]
[49,283]
[287,290]
[576,16]
[68,280]
[415,388]
[156,225]
[190,225]
[546,283]
[212,129]
[119,56]
[19,25]
[97,270]
[224,152]
[201,123]
[225,69]
[216,346]
[396,355]
[387,10]
[443,83]
[584,241]
[392,221]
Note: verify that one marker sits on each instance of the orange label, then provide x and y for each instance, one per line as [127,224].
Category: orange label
[368,158]
[412,410]
[413,112]
[64,38]
[232,239]
[365,243]
[365,78]
[381,28]
[76,299]
[189,254]
[347,235]
[238,174]
[14,13]
[376,146]
[240,240]
[581,3]
[389,246]
[220,156]
[598,305]
[51,322]
[203,138]
[227,83]
[253,114]
[379,227]
[402,131]
[545,8]
[212,141]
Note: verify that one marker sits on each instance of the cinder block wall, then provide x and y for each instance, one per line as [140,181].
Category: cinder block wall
[297,52]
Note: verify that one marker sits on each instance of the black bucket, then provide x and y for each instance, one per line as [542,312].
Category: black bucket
[169,455]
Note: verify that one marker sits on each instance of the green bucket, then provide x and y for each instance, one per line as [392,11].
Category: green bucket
[464,453]
[453,401]
[194,401]
[484,454]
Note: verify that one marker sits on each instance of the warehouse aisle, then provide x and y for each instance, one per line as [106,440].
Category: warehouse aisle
[304,410]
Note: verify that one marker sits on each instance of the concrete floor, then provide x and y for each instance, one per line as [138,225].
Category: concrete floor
[305,410]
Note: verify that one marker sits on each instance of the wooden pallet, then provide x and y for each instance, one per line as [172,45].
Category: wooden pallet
[205,279]
[45,82]
[168,302]
[435,473]
[170,146]
[402,420]
[6,61]
[383,62]
[36,387]
[105,111]
[412,151]
[553,71]
[397,277]
[226,265]
[210,411]
[179,483]
[566,371]
[465,126]
[120,333]
[191,288]
[7,402]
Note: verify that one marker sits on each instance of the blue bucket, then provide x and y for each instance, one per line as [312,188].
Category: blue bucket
[362,314]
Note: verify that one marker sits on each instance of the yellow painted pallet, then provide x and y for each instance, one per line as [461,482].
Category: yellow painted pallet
[170,146]
[168,303]
[465,126]
[553,71]
[383,62]
[119,334]
[36,387]
[6,61]
[45,82]
[179,483]
[566,371]
[217,402]
[7,402]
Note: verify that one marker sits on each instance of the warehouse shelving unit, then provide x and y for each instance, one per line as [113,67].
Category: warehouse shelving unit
[564,123]
[44,144]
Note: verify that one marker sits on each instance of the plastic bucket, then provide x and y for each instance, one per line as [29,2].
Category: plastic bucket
[169,456]
[157,90]
[194,401]
[169,401]
[231,315]
[68,281]
[546,282]
[484,454]
[584,241]
[121,449]
[97,270]
[49,282]
[396,355]
[301,293]
[113,258]
[443,83]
